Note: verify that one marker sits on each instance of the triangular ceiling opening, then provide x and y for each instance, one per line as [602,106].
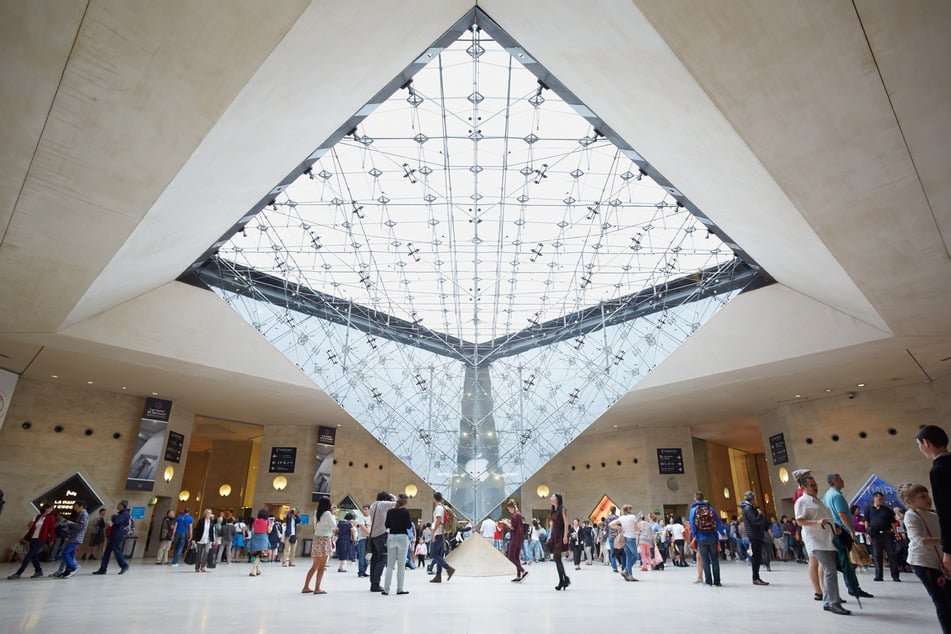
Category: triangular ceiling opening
[475,266]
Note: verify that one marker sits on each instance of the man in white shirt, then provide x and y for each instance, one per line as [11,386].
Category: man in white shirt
[363,536]
[439,541]
[378,510]
[817,530]
[204,534]
[488,528]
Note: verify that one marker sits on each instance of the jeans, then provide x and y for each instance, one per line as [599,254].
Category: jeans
[378,560]
[711,563]
[33,556]
[611,557]
[743,549]
[362,558]
[940,595]
[180,541]
[537,553]
[630,554]
[112,547]
[69,556]
[439,560]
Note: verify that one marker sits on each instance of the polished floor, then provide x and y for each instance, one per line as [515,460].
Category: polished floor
[152,598]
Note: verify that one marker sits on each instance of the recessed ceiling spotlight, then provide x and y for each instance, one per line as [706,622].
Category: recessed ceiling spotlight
[860,385]
[798,395]
[154,393]
[89,382]
[124,387]
[828,389]
[55,376]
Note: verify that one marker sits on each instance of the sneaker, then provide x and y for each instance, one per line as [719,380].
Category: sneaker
[174,565]
[70,572]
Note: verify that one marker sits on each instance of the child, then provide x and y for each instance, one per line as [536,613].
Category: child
[421,552]
[924,542]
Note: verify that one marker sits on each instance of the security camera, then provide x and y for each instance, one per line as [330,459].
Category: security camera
[851,395]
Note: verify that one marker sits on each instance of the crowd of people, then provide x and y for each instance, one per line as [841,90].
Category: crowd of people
[823,532]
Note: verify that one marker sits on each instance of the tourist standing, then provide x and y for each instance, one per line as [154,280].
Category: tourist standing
[558,538]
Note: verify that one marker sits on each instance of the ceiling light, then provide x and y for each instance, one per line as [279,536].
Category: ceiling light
[55,376]
[860,385]
[154,393]
[828,389]
[798,395]
[124,387]
[89,382]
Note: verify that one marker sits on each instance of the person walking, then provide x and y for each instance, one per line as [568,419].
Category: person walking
[291,522]
[117,534]
[515,523]
[399,523]
[183,530]
[558,538]
[38,534]
[378,510]
[441,532]
[204,534]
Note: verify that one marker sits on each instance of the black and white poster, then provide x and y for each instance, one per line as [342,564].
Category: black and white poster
[324,466]
[148,445]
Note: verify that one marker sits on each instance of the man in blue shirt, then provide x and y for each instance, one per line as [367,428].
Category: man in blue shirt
[839,507]
[183,531]
[705,525]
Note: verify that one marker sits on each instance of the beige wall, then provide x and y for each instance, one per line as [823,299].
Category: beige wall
[33,461]
[893,457]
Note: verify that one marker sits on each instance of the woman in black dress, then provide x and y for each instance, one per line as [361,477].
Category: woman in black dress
[558,538]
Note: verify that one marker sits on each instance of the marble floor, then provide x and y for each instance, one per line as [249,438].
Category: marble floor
[152,598]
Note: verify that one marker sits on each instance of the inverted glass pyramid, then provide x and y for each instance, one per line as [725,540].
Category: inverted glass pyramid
[478,268]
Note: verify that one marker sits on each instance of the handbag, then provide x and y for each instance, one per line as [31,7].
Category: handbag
[619,541]
[190,557]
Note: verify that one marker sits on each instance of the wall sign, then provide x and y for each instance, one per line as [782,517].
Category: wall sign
[283,460]
[173,448]
[777,446]
[63,495]
[670,460]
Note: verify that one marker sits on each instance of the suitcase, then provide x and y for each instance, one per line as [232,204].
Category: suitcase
[213,557]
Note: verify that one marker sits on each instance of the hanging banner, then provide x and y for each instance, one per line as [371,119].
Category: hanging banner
[8,381]
[874,485]
[148,445]
[324,466]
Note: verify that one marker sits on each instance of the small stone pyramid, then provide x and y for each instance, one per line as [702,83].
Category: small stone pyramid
[477,557]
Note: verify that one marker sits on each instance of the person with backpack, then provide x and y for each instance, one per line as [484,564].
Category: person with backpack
[122,527]
[705,526]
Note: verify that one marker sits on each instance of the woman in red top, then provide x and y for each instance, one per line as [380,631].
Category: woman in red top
[516,526]
[260,543]
[39,534]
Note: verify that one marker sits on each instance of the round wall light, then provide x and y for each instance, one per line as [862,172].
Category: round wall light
[224,490]
[542,491]
[184,495]
[726,492]
[280,483]
[783,475]
[411,490]
[169,473]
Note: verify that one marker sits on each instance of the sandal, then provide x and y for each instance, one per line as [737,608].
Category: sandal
[320,592]
[306,591]
[817,596]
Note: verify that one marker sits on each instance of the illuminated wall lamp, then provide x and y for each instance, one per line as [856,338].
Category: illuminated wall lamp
[542,491]
[410,491]
[169,473]
[783,475]
[280,483]
[184,495]
[224,490]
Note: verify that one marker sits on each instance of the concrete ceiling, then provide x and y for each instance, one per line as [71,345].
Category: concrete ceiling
[815,134]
